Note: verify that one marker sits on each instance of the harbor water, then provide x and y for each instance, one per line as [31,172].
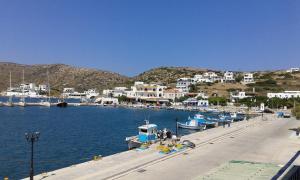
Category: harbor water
[71,135]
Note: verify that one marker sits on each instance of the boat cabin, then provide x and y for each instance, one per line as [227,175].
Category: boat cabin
[147,133]
[199,116]
[193,122]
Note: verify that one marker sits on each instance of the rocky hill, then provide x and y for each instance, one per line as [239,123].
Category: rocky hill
[168,75]
[60,76]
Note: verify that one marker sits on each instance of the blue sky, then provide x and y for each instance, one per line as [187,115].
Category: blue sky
[130,36]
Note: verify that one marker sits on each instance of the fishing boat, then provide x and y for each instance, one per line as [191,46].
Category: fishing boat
[147,134]
[236,116]
[205,121]
[192,124]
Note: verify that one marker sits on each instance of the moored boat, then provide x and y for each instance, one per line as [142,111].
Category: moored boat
[192,124]
[202,120]
[45,103]
[147,134]
[62,104]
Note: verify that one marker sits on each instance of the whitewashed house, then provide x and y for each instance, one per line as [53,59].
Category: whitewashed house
[284,95]
[211,77]
[293,70]
[173,94]
[184,83]
[234,96]
[248,78]
[195,102]
[43,87]
[199,78]
[116,92]
[228,77]
[147,92]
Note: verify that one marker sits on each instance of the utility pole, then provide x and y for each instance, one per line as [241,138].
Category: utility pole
[176,127]
[31,138]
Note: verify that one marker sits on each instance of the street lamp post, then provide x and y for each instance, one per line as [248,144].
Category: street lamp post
[31,138]
[176,127]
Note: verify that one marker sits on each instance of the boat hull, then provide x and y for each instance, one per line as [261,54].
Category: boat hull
[132,144]
[46,104]
[62,104]
[185,126]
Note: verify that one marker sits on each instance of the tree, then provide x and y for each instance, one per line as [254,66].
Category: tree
[193,88]
[122,98]
[183,98]
[239,78]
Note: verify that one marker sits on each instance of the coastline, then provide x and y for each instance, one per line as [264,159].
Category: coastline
[124,163]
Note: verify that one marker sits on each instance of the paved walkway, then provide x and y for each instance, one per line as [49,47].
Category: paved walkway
[257,140]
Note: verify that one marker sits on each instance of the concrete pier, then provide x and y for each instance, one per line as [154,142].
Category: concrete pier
[267,140]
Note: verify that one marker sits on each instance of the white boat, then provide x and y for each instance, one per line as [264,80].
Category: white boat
[192,124]
[21,103]
[47,103]
[22,99]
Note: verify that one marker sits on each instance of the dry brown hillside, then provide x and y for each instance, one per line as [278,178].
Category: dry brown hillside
[60,76]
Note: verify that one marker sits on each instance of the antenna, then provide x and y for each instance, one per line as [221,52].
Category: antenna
[9,80]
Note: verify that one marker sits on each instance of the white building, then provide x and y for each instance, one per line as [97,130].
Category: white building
[27,90]
[173,94]
[211,77]
[195,102]
[116,92]
[43,87]
[140,90]
[184,83]
[228,77]
[107,101]
[91,93]
[285,95]
[239,95]
[248,78]
[71,93]
[293,70]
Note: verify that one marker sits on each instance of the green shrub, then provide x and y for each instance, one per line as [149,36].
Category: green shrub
[217,100]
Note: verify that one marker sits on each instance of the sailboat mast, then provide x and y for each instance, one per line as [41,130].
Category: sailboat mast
[9,80]
[48,86]
[23,85]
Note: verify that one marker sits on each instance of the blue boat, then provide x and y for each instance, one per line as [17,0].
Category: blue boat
[147,134]
[205,121]
[237,116]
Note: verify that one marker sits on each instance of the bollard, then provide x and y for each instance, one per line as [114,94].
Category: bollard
[96,158]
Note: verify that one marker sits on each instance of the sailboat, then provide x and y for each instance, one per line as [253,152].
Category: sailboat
[22,100]
[47,103]
[10,102]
